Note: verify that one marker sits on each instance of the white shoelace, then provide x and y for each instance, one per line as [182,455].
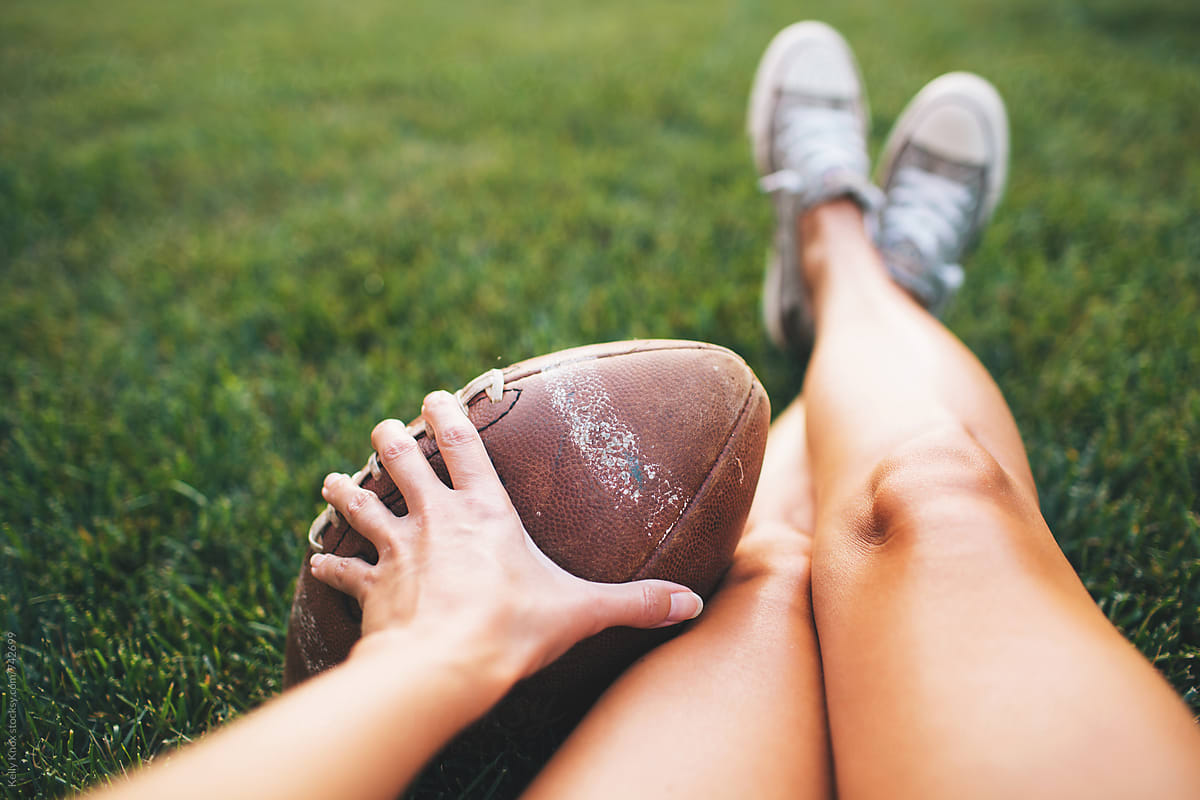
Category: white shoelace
[815,138]
[930,211]
[814,143]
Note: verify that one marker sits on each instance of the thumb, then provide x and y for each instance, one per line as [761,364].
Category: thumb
[644,604]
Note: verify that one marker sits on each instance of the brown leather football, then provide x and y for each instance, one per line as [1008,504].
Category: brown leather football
[628,460]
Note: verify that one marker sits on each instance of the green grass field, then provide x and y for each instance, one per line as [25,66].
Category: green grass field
[235,235]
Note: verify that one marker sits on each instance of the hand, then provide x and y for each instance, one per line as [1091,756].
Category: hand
[460,568]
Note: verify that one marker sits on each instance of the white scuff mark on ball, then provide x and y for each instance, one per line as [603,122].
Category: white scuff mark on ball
[610,448]
[308,633]
[741,472]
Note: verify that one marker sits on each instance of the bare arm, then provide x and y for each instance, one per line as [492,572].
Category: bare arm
[461,605]
[362,729]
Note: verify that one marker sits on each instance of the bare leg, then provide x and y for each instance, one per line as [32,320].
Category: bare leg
[734,706]
[962,656]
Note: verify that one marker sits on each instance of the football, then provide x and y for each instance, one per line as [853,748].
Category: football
[627,460]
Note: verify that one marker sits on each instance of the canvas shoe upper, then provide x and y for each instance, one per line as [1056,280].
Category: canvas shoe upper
[807,123]
[943,171]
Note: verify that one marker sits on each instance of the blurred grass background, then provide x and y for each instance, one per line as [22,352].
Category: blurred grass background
[235,235]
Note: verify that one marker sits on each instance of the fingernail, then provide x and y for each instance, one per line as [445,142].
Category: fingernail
[317,558]
[330,478]
[685,606]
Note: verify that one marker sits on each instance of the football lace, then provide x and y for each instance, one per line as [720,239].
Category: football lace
[490,383]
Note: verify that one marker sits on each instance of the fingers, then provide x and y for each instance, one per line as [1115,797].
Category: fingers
[365,512]
[644,604]
[461,448]
[348,575]
[401,456]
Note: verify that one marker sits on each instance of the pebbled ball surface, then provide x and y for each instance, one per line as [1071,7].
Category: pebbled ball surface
[625,460]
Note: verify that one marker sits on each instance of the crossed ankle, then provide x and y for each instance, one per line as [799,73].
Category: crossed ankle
[839,211]
[836,240]
[803,192]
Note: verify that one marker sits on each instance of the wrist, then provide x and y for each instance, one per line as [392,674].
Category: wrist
[464,668]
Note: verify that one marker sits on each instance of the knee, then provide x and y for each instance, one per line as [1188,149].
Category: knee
[772,549]
[773,562]
[941,484]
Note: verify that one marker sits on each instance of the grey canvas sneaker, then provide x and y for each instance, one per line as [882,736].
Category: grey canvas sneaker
[807,123]
[943,171]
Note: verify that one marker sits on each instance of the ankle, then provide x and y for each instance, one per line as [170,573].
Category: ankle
[837,217]
[833,233]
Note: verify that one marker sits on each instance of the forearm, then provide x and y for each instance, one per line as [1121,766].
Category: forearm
[459,606]
[364,729]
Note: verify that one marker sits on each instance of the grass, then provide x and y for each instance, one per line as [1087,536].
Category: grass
[233,236]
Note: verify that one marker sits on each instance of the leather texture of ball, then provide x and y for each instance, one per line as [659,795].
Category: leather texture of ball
[627,460]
